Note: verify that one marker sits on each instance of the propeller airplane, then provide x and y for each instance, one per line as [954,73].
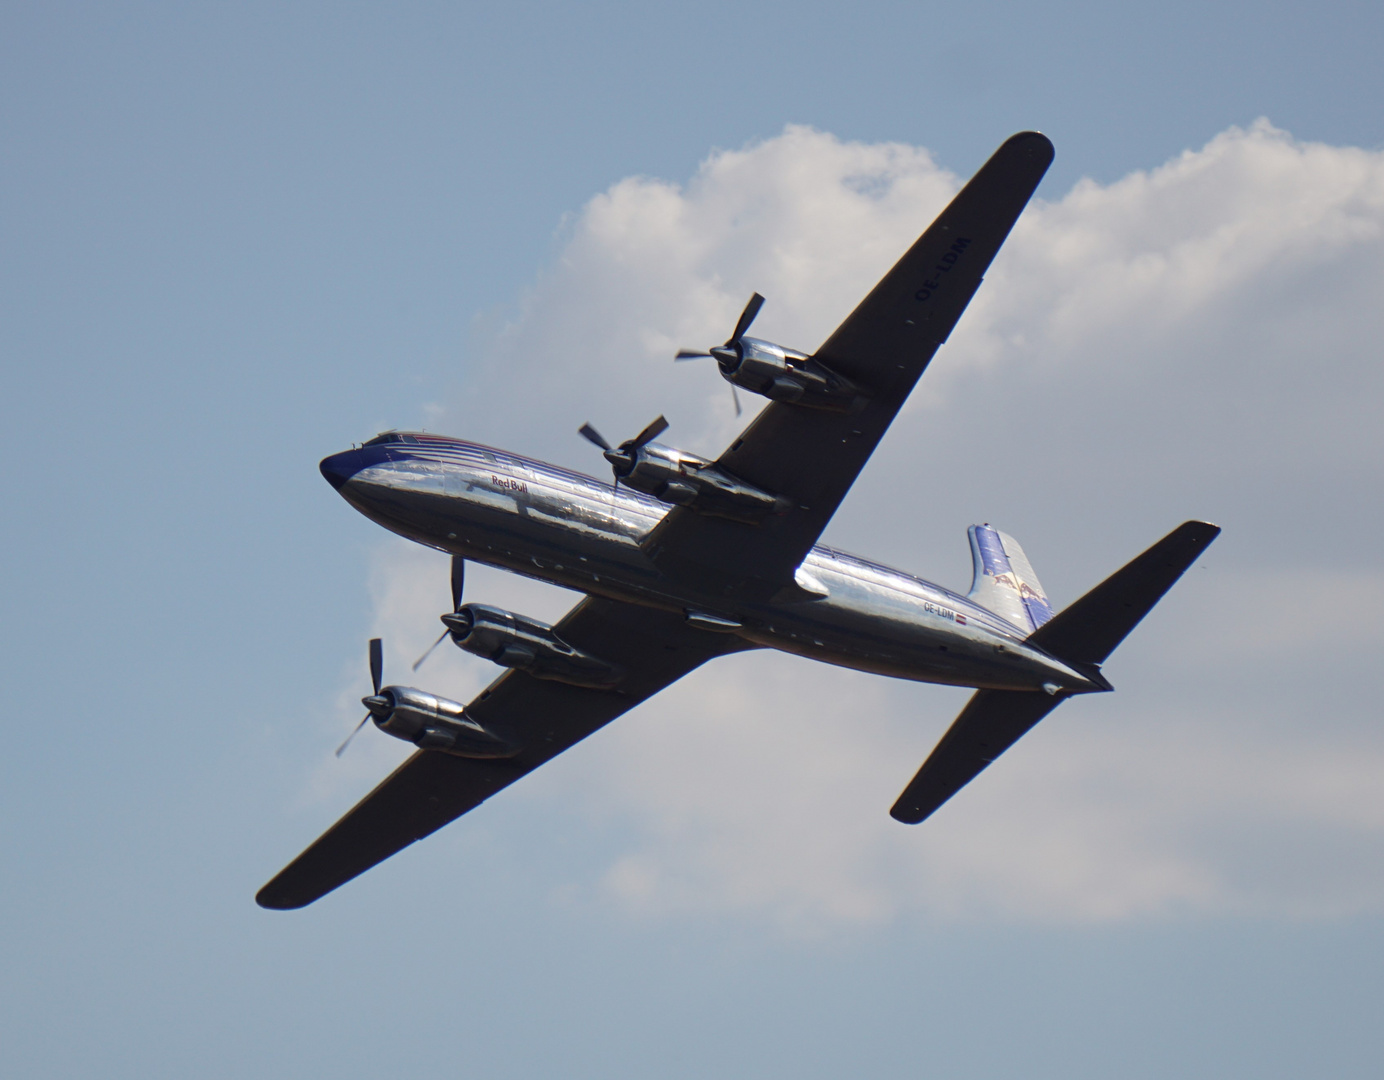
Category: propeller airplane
[684,559]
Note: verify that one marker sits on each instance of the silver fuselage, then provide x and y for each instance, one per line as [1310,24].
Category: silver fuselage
[548,523]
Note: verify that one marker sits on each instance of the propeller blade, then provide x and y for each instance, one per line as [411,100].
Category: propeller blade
[458,583]
[376,662]
[419,662]
[735,397]
[351,736]
[458,580]
[689,354]
[648,435]
[590,434]
[746,317]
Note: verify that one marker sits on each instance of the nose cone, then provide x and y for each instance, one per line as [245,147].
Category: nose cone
[728,356]
[459,623]
[341,467]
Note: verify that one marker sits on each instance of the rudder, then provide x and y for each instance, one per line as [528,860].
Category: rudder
[1004,580]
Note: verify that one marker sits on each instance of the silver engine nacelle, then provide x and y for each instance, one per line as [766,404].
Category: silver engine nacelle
[780,374]
[436,723]
[516,641]
[683,479]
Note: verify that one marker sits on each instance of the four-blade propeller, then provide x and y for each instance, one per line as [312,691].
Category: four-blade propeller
[729,355]
[622,458]
[458,580]
[375,703]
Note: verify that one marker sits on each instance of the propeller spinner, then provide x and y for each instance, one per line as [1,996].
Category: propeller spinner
[730,355]
[623,458]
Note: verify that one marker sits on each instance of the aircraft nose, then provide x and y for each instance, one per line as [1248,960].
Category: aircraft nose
[341,467]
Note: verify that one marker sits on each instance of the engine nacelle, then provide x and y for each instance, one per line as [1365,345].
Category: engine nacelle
[436,723]
[683,479]
[516,641]
[780,374]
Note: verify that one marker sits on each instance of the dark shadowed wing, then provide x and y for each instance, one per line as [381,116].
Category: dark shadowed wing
[991,722]
[814,456]
[430,789]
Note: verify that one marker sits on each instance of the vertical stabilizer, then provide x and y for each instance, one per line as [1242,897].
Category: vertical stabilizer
[1004,580]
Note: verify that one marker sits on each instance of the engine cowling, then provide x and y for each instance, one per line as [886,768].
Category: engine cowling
[781,374]
[436,723]
[516,641]
[683,479]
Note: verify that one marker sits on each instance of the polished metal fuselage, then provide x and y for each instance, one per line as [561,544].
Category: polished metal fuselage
[548,523]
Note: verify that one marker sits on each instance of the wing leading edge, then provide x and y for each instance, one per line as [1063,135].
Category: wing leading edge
[430,789]
[814,456]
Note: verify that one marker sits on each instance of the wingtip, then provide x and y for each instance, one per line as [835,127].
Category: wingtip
[272,899]
[1203,531]
[909,814]
[1035,143]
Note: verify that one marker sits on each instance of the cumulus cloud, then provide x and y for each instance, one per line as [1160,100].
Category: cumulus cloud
[1200,339]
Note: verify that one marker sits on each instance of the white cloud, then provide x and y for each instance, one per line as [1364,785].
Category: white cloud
[1196,340]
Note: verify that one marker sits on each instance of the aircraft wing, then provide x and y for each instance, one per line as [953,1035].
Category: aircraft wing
[813,455]
[431,788]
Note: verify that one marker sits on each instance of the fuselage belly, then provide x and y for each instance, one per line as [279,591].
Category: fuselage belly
[571,530]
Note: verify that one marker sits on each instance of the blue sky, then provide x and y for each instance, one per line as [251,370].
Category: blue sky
[237,239]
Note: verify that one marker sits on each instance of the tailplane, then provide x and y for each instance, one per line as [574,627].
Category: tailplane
[1088,631]
[1082,635]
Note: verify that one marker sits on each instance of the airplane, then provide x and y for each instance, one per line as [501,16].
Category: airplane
[683,559]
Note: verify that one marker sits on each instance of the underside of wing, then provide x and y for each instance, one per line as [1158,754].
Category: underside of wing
[812,456]
[430,789]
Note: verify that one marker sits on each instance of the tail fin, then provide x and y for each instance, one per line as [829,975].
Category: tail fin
[1004,580]
[1082,635]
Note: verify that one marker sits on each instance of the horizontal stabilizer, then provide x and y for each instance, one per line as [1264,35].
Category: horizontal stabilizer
[1084,635]
[1088,631]
[991,722]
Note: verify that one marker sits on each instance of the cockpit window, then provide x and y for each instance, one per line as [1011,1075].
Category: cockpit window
[390,437]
